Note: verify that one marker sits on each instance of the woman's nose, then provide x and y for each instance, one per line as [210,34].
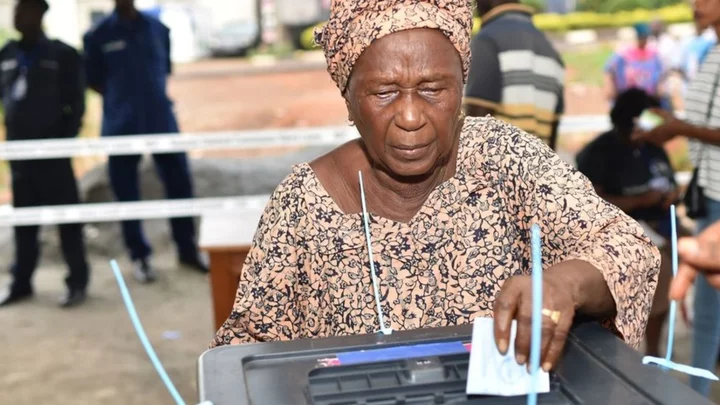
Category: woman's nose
[409,116]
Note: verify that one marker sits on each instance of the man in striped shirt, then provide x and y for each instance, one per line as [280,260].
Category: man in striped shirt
[516,74]
[702,127]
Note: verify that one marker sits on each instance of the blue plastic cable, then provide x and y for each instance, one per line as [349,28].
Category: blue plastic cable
[141,334]
[381,318]
[673,303]
[667,363]
[536,329]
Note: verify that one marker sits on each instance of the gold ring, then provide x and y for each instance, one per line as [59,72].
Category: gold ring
[553,315]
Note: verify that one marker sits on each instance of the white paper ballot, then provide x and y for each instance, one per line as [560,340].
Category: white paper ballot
[491,373]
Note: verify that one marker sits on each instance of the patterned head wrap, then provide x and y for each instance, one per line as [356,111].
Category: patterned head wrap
[355,24]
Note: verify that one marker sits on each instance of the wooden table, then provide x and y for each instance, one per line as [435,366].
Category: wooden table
[226,237]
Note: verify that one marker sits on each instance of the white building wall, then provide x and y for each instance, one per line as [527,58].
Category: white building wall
[62,21]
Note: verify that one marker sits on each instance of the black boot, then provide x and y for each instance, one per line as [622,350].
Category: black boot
[195,262]
[12,294]
[73,298]
[143,272]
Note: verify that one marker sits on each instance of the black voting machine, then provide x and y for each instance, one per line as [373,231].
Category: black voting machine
[596,368]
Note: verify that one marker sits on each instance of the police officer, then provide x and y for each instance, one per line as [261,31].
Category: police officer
[42,85]
[127,61]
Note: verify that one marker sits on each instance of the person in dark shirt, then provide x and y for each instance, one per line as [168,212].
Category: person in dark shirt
[42,86]
[127,59]
[516,74]
[638,179]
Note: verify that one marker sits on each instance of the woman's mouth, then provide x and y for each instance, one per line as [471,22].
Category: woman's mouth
[411,152]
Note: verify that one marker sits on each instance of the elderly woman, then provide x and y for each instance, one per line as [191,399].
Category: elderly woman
[451,202]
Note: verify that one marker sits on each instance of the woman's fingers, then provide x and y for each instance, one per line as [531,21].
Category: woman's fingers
[523,316]
[523,333]
[523,339]
[504,313]
[557,341]
[515,303]
[548,332]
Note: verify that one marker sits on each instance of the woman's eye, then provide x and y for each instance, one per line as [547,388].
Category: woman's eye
[384,94]
[430,91]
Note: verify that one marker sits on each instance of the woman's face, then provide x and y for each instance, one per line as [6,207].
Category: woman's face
[404,96]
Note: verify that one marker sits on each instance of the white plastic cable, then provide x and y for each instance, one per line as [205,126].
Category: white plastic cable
[381,318]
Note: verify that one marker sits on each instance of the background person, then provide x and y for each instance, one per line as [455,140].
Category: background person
[638,179]
[670,52]
[702,127]
[695,51]
[668,48]
[127,57]
[516,74]
[637,66]
[42,86]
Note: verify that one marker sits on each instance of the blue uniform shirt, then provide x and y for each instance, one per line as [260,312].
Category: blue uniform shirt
[129,61]
[42,89]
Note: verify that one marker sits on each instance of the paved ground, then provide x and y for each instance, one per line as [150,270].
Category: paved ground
[90,355]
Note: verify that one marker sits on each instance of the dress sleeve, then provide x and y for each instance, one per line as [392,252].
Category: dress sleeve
[579,225]
[263,309]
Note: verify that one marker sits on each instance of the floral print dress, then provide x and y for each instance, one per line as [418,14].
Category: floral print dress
[307,274]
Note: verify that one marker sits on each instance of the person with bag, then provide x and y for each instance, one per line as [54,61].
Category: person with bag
[702,128]
[637,178]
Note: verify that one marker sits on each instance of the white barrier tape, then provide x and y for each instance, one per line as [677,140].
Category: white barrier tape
[155,209]
[122,211]
[169,143]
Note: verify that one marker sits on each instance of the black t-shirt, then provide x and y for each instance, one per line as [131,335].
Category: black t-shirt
[625,170]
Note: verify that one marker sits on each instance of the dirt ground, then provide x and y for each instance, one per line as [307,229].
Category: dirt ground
[91,355]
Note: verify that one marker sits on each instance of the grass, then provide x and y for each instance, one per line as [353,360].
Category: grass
[585,65]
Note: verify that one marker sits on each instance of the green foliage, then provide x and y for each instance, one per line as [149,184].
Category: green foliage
[590,20]
[307,38]
[585,64]
[613,6]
